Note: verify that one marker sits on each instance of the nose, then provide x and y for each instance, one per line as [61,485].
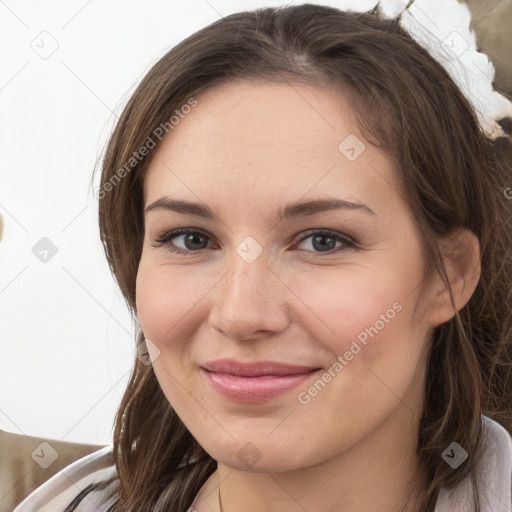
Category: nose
[250,301]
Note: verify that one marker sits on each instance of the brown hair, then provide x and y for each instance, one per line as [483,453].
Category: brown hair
[452,175]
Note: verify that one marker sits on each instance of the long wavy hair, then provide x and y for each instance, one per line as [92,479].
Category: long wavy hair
[453,177]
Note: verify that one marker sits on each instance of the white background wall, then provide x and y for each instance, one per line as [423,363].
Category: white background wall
[66,338]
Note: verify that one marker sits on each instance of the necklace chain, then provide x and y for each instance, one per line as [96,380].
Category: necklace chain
[220,500]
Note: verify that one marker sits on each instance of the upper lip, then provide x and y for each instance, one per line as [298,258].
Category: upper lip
[255,368]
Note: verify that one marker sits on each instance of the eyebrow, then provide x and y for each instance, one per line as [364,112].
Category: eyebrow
[291,210]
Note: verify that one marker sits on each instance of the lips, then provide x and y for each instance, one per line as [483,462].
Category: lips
[254,381]
[256,368]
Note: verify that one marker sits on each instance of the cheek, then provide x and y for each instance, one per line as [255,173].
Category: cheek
[365,320]
[166,300]
[350,306]
[165,308]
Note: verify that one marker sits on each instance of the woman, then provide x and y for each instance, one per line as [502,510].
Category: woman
[310,226]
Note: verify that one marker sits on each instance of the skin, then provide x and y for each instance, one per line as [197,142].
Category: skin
[245,150]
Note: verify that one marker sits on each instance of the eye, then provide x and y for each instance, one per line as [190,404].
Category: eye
[193,240]
[322,241]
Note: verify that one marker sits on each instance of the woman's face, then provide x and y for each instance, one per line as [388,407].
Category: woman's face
[333,289]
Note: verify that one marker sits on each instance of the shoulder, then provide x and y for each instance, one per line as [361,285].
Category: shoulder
[494,471]
[56,493]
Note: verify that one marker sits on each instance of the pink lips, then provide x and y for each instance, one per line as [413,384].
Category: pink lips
[254,382]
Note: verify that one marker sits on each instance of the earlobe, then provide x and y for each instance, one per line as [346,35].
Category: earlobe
[461,258]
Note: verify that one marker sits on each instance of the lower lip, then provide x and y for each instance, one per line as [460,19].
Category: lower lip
[254,389]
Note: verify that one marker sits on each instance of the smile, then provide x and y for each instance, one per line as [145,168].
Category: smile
[254,382]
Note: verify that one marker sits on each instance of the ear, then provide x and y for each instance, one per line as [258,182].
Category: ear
[461,258]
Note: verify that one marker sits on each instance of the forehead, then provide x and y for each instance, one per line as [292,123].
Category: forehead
[269,140]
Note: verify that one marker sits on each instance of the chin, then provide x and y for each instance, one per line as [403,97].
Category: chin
[262,456]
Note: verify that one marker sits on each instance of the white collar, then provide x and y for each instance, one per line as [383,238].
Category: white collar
[494,472]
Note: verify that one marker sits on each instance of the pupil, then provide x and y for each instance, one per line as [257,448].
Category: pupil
[323,247]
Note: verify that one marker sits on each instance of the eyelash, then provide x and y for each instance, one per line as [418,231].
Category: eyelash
[168,236]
